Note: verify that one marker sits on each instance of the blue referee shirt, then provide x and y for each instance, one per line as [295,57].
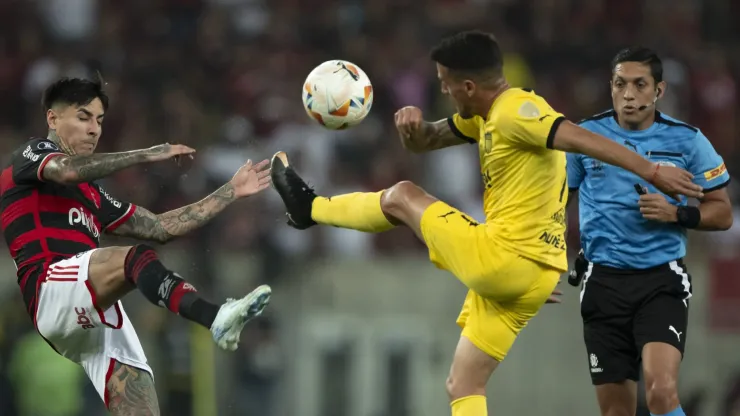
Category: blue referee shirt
[613,232]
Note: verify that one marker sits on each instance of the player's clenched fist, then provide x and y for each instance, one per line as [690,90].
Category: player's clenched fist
[409,122]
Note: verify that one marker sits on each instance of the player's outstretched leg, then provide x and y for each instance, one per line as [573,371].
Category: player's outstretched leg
[372,212]
[166,288]
[143,269]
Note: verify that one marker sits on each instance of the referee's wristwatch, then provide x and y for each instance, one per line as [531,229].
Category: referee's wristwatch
[576,274]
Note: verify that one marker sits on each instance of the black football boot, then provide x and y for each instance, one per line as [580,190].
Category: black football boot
[296,194]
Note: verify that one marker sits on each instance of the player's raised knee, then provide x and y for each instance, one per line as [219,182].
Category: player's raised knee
[399,195]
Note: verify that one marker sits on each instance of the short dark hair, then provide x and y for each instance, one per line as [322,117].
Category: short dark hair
[642,55]
[74,91]
[469,51]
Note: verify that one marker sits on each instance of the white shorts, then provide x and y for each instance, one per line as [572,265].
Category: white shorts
[69,318]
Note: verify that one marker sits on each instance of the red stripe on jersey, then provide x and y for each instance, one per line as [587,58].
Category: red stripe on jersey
[44,250]
[6,180]
[14,211]
[41,202]
[42,165]
[62,273]
[42,234]
[92,192]
[125,217]
[28,274]
[56,267]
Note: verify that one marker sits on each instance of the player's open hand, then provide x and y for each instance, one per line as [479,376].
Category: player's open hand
[408,123]
[168,151]
[657,208]
[675,182]
[251,179]
[555,296]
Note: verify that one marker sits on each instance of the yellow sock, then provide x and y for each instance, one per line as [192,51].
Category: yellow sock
[470,406]
[357,211]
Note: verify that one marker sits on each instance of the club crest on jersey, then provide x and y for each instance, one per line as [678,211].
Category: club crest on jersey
[529,110]
[79,216]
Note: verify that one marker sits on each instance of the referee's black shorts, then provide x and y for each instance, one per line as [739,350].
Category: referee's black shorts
[623,310]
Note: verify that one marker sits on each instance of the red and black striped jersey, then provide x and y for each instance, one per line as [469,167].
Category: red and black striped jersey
[44,222]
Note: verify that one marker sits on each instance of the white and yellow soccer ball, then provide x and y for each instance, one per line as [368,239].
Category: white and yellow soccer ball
[337,94]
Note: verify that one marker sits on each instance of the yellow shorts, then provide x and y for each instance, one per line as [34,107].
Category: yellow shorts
[506,289]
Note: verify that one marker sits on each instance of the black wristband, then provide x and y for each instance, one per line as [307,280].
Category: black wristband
[688,217]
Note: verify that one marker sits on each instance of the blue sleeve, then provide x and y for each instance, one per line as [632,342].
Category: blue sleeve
[576,172]
[706,165]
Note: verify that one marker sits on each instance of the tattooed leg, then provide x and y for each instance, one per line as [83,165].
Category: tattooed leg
[131,392]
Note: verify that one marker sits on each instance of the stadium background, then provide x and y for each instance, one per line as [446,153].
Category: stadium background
[360,325]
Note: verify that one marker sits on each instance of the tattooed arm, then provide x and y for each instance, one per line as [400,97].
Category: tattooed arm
[71,170]
[162,228]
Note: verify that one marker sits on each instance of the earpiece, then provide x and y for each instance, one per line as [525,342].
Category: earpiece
[655,100]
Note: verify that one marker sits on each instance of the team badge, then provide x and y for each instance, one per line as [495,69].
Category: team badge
[529,110]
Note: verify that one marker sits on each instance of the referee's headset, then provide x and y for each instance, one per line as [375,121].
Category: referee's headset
[655,100]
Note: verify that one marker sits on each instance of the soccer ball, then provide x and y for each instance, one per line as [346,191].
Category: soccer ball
[337,94]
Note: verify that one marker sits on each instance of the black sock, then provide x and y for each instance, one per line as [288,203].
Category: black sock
[165,288]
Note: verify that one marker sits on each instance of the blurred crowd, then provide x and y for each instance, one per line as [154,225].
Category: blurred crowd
[225,77]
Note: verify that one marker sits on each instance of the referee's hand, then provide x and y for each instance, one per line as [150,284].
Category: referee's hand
[675,182]
[555,297]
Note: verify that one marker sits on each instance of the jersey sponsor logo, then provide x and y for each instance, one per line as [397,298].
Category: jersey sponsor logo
[82,319]
[79,216]
[664,163]
[30,155]
[110,199]
[715,173]
[47,146]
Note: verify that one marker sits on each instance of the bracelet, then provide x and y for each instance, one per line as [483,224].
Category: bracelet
[688,217]
[655,173]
